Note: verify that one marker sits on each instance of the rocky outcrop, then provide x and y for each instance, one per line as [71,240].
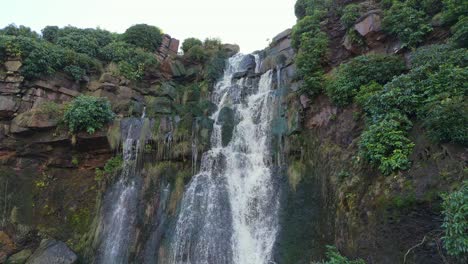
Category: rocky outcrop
[52,252]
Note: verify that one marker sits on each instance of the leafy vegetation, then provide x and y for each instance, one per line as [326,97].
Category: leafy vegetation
[41,58]
[455,223]
[112,165]
[453,10]
[386,145]
[132,62]
[143,36]
[407,23]
[87,113]
[310,60]
[311,45]
[190,43]
[361,71]
[351,13]
[334,257]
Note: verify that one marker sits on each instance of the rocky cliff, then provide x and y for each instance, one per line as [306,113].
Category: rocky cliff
[50,189]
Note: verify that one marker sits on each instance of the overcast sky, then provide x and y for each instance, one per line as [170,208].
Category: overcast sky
[248,23]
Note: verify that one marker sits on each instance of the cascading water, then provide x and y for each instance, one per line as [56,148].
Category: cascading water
[229,212]
[119,208]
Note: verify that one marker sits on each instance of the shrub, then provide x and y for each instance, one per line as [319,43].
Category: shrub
[455,224]
[350,15]
[87,113]
[453,10]
[408,24]
[304,8]
[18,31]
[460,33]
[366,94]
[212,44]
[309,24]
[50,33]
[385,143]
[447,120]
[361,71]
[80,43]
[189,43]
[309,61]
[430,7]
[197,54]
[41,58]
[334,257]
[143,36]
[132,61]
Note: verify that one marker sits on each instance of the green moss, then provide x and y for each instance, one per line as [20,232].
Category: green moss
[296,171]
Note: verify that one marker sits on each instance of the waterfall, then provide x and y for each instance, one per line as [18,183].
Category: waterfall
[117,225]
[229,212]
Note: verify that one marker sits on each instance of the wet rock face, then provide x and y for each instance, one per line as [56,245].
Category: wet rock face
[52,252]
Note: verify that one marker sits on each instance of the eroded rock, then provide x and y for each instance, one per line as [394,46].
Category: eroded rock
[52,252]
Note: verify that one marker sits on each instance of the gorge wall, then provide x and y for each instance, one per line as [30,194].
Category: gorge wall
[50,190]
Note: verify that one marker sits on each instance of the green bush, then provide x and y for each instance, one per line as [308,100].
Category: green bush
[361,71]
[455,211]
[385,143]
[79,43]
[87,113]
[447,120]
[408,24]
[453,10]
[309,61]
[189,43]
[143,36]
[41,58]
[309,24]
[350,14]
[367,93]
[304,8]
[334,257]
[50,33]
[133,62]
[460,33]
[197,54]
[18,31]
[430,7]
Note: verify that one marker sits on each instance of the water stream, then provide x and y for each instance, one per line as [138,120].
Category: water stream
[229,210]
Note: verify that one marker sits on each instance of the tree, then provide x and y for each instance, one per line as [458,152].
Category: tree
[143,36]
[189,43]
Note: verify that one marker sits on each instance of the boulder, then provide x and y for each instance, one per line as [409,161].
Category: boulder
[164,90]
[283,35]
[226,120]
[371,23]
[13,65]
[20,257]
[247,63]
[33,119]
[9,88]
[52,252]
[159,105]
[14,79]
[8,106]
[109,78]
[7,246]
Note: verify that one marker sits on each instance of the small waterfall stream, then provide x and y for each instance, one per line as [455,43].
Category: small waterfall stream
[119,207]
[229,212]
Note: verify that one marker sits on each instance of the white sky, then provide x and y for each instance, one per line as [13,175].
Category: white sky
[248,23]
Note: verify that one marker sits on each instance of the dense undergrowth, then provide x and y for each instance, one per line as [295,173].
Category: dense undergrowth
[427,88]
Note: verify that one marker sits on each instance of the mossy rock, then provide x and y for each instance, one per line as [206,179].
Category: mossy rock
[226,120]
